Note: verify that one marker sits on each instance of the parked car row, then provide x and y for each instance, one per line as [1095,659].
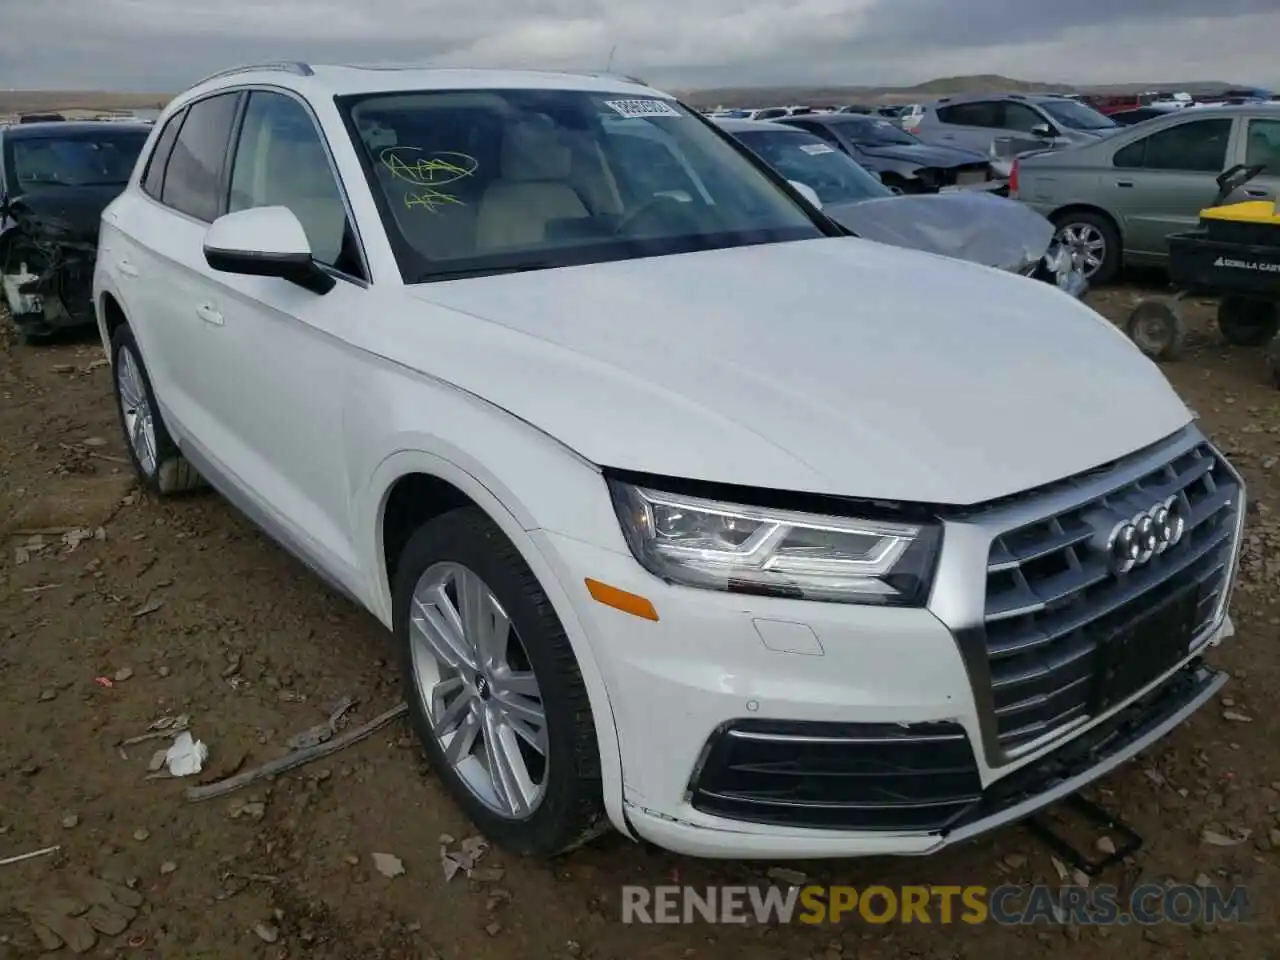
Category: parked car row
[692,515]
[890,111]
[58,175]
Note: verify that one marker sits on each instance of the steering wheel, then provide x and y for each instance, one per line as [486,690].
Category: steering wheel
[648,206]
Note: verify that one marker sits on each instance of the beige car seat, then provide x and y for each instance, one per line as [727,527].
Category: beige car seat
[533,189]
[311,192]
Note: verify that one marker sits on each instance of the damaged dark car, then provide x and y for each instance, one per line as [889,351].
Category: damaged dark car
[56,178]
[967,225]
[901,161]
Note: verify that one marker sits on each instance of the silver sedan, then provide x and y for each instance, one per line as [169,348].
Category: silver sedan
[1116,201]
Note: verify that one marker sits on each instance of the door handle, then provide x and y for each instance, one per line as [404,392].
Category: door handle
[127,268]
[1124,183]
[1258,194]
[208,314]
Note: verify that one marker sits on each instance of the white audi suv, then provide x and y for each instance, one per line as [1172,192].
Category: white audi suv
[692,513]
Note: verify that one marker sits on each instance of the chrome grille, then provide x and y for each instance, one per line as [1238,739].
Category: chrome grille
[1051,595]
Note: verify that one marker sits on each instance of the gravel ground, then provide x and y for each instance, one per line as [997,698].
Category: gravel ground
[158,610]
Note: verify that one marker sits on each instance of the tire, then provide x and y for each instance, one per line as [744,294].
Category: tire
[165,471]
[1081,230]
[1156,327]
[1246,321]
[568,812]
[1273,362]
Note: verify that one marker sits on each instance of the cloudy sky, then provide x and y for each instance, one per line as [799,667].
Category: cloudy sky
[163,45]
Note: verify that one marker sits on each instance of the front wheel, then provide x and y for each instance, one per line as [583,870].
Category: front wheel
[1094,241]
[494,690]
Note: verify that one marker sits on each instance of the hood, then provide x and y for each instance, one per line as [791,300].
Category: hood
[835,365]
[922,154]
[74,212]
[973,226]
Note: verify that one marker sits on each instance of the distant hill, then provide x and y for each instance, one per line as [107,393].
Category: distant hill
[76,102]
[930,89]
[988,81]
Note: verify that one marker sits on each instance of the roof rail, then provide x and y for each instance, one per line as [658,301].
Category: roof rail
[296,67]
[607,75]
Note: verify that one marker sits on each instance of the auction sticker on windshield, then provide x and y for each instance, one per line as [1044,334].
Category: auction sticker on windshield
[813,149]
[642,108]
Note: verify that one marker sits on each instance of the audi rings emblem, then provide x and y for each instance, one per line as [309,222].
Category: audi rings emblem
[1135,541]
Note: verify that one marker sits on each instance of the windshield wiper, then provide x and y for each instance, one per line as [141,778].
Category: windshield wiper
[490,271]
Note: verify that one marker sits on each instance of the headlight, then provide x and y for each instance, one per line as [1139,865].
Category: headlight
[1062,262]
[741,549]
[1057,260]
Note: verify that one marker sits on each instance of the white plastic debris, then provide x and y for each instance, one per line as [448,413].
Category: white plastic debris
[186,756]
[463,860]
[389,865]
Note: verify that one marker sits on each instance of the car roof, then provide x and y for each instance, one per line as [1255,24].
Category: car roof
[327,80]
[68,129]
[1026,97]
[1050,158]
[738,125]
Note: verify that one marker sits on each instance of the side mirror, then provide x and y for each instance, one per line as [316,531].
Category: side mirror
[807,192]
[1043,130]
[265,242]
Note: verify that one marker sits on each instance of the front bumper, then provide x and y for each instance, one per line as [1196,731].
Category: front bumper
[1061,773]
[717,666]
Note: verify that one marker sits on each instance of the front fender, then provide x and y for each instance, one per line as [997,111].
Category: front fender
[516,521]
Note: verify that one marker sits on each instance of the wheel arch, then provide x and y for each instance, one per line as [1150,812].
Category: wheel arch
[1080,207]
[413,486]
[111,317]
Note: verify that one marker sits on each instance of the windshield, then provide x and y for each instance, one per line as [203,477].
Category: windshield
[105,159]
[1077,116]
[487,181]
[876,133]
[802,157]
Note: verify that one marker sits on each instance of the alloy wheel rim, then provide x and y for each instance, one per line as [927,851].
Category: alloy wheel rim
[479,690]
[1087,244]
[139,420]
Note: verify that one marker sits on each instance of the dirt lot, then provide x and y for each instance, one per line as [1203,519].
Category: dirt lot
[182,608]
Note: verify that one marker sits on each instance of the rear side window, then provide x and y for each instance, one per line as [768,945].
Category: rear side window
[153,177]
[984,113]
[1199,146]
[193,177]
